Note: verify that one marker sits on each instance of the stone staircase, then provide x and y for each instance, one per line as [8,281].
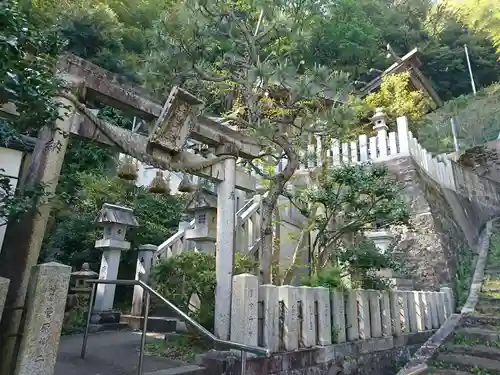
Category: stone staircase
[474,347]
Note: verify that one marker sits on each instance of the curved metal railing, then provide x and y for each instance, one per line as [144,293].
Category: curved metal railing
[180,314]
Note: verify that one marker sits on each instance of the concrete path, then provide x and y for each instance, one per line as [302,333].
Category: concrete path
[108,353]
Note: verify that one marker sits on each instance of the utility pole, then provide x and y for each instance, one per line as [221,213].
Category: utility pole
[470,69]
[454,133]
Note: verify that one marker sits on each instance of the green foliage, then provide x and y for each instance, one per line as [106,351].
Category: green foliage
[352,199]
[343,204]
[463,276]
[362,260]
[482,15]
[181,347]
[27,81]
[72,234]
[398,99]
[26,70]
[179,277]
[13,205]
[476,117]
[327,277]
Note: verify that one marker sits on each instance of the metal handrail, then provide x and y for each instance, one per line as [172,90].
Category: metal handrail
[180,314]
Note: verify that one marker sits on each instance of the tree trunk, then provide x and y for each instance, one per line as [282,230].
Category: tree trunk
[266,234]
[275,261]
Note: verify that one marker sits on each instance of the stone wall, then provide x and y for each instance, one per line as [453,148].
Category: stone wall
[369,357]
[443,221]
[421,247]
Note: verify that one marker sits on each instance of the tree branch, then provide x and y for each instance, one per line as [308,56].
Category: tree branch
[259,172]
[206,77]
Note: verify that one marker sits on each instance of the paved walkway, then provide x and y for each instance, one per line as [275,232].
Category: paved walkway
[108,353]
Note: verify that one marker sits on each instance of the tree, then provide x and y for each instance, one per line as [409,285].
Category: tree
[28,82]
[346,202]
[397,98]
[481,15]
[261,89]
[444,60]
[72,235]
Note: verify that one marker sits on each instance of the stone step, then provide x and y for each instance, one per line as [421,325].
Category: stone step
[490,293]
[487,288]
[482,351]
[482,335]
[445,371]
[469,363]
[492,271]
[484,321]
[491,290]
[491,301]
[488,309]
[155,323]
[94,328]
[183,370]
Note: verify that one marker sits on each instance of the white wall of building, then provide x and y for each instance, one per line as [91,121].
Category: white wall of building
[10,162]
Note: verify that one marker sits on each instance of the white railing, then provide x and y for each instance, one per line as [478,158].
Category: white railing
[247,235]
[248,225]
[175,244]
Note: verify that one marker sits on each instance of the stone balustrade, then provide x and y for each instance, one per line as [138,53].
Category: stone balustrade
[287,318]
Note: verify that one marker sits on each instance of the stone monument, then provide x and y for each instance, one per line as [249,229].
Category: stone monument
[45,304]
[115,220]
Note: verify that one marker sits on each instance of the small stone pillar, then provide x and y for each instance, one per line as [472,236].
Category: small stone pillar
[380,126]
[338,316]
[268,296]
[374,297]
[450,299]
[289,297]
[48,289]
[396,303]
[324,316]
[142,272]
[115,220]
[308,332]
[244,309]
[351,314]
[385,308]
[362,297]
[4,288]
[434,309]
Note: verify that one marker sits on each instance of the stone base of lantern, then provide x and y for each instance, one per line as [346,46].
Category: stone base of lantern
[156,324]
[396,279]
[106,321]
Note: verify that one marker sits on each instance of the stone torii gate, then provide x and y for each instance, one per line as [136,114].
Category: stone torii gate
[175,121]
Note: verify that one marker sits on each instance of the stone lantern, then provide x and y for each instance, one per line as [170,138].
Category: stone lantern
[79,279]
[203,207]
[79,290]
[383,238]
[379,121]
[115,220]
